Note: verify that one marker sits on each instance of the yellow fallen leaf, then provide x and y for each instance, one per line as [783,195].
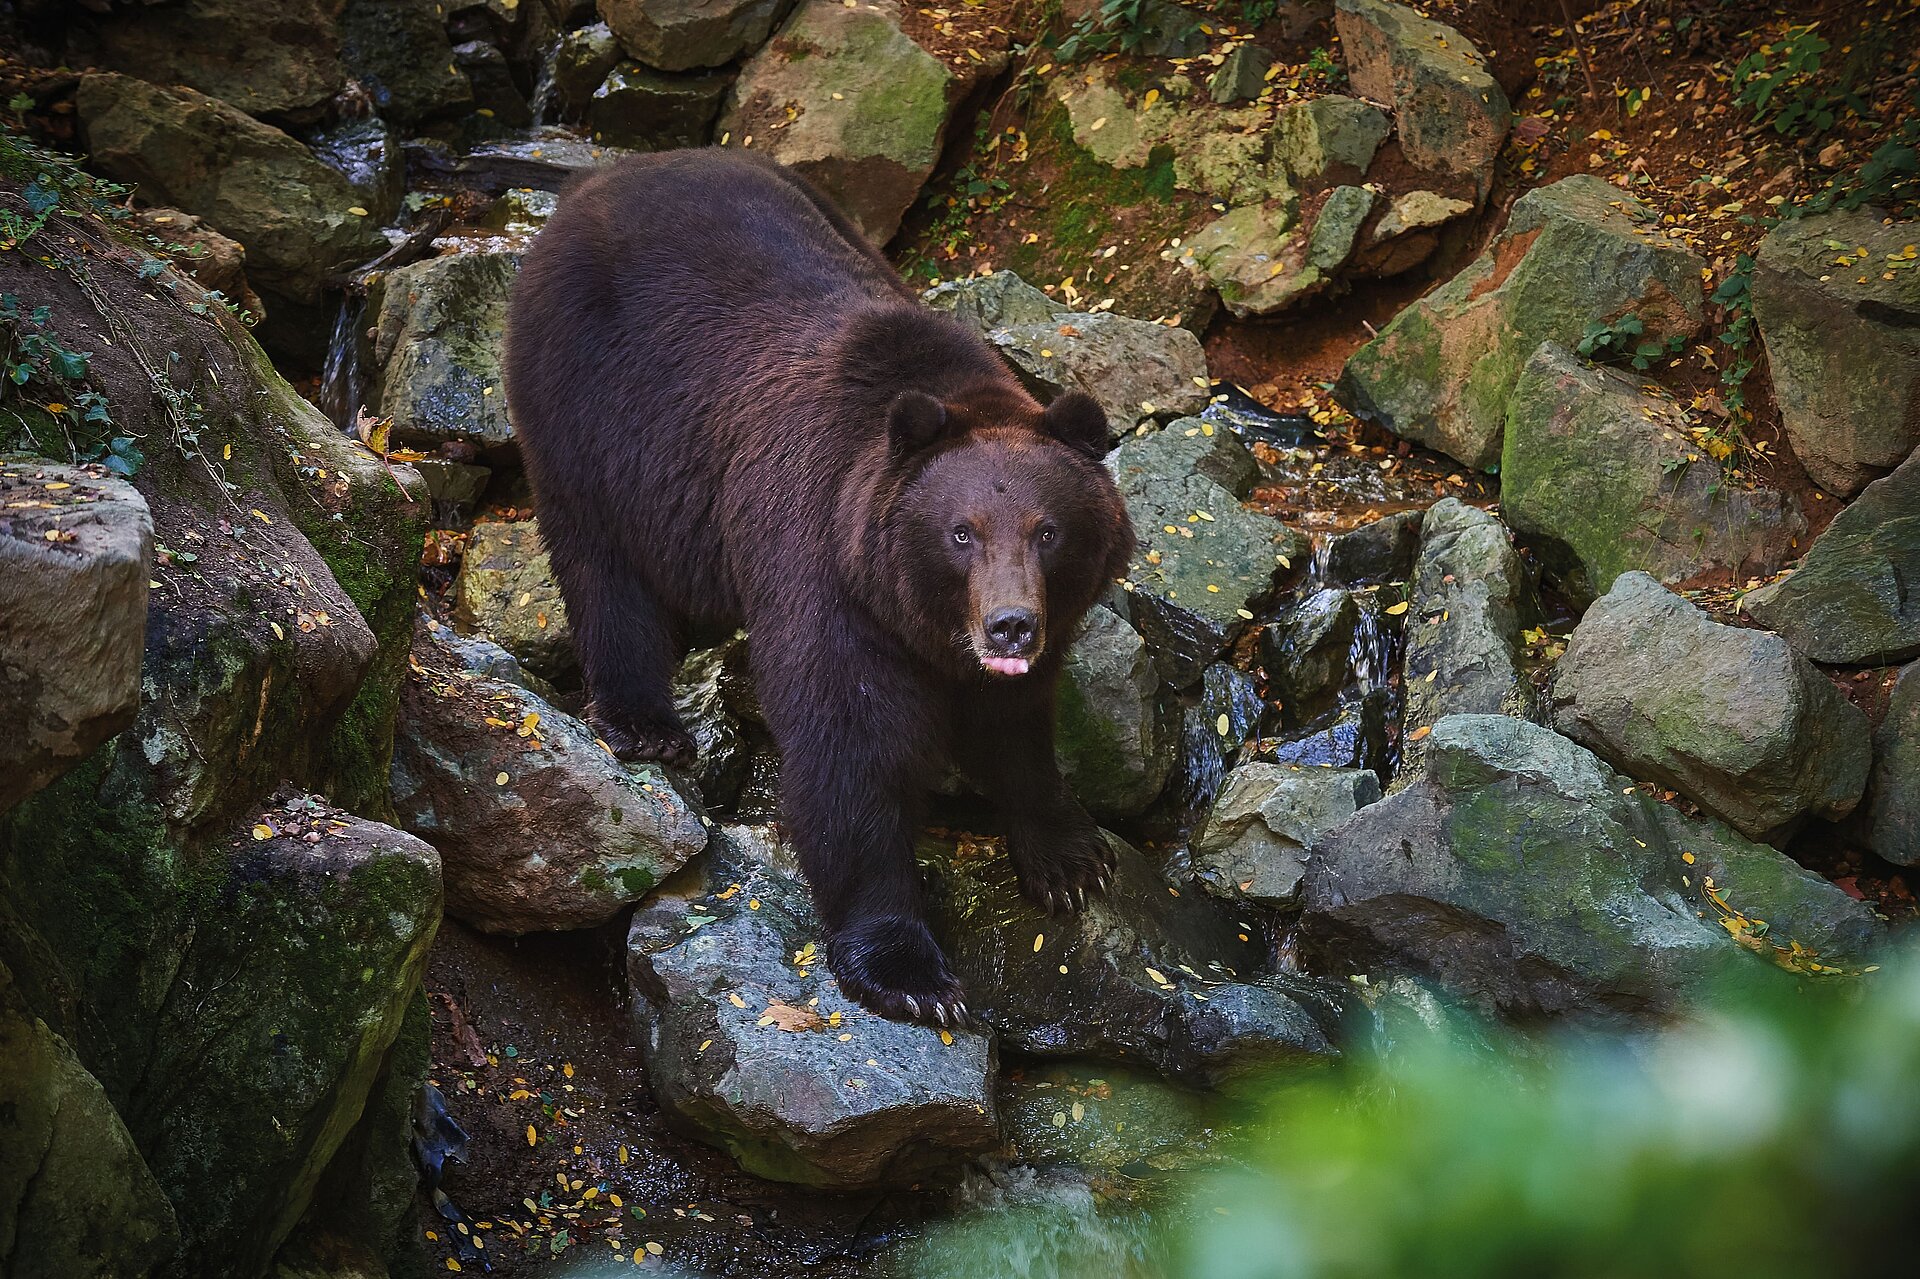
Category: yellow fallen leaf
[1394,610]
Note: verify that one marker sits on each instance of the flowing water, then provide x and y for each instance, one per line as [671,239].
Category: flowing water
[343,389]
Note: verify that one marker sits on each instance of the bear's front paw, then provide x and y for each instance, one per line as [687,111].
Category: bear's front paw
[893,966]
[1063,865]
[642,742]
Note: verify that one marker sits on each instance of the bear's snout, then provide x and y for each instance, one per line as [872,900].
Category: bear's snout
[1012,631]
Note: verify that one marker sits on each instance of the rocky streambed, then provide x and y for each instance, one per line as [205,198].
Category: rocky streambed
[333,944]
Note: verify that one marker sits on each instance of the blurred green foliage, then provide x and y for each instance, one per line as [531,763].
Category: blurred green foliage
[1776,1132]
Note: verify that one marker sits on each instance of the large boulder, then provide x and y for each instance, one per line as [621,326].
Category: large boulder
[679,35]
[249,180]
[540,826]
[1134,368]
[1116,736]
[750,1045]
[1329,136]
[1853,600]
[399,52]
[1263,827]
[1600,474]
[307,964]
[1145,974]
[76,552]
[1261,262]
[1890,816]
[844,97]
[1449,112]
[77,1200]
[1574,252]
[1733,719]
[507,593]
[232,1006]
[1470,597]
[1204,559]
[437,348]
[1524,874]
[1837,300]
[280,61]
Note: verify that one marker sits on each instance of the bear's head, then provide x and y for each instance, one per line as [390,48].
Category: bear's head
[1003,526]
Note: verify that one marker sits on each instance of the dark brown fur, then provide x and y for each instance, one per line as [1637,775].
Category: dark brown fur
[734,411]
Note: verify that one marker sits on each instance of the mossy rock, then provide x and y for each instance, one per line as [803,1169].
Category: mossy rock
[437,349]
[1115,737]
[1576,252]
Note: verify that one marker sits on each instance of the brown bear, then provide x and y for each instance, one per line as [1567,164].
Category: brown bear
[734,411]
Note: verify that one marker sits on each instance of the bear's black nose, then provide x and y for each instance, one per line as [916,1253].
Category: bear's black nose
[1011,629]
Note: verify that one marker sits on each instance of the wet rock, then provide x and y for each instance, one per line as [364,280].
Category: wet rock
[1107,1119]
[1572,252]
[1352,735]
[280,61]
[582,61]
[1524,874]
[436,348]
[1202,551]
[495,95]
[545,161]
[1449,111]
[455,487]
[1469,598]
[247,179]
[1115,736]
[1242,77]
[1134,368]
[1151,974]
[750,1045]
[876,107]
[1890,817]
[308,966]
[398,50]
[365,153]
[1841,342]
[76,552]
[679,35]
[1599,474]
[507,593]
[1180,643]
[1328,136]
[1852,599]
[1407,233]
[1214,726]
[484,657]
[521,211]
[656,110]
[701,696]
[1382,550]
[217,262]
[1263,828]
[80,1202]
[1733,719]
[1306,650]
[540,826]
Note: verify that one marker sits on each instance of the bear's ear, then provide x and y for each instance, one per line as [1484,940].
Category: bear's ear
[916,420]
[1077,421]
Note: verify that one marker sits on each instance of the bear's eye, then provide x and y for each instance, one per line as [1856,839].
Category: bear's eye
[962,534]
[1047,536]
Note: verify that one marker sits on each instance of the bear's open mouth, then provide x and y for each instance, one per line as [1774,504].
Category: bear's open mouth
[1006,665]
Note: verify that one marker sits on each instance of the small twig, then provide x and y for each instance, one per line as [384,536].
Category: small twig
[1586,67]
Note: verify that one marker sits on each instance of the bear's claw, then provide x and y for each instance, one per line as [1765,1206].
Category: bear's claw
[893,967]
[1062,874]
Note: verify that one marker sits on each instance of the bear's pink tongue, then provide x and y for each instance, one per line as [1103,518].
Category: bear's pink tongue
[1006,665]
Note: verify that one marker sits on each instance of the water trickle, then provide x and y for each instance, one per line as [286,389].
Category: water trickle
[1253,421]
[342,382]
[542,101]
[1227,713]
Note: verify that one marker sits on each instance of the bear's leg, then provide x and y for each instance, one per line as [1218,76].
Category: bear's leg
[853,736]
[629,648]
[1004,743]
